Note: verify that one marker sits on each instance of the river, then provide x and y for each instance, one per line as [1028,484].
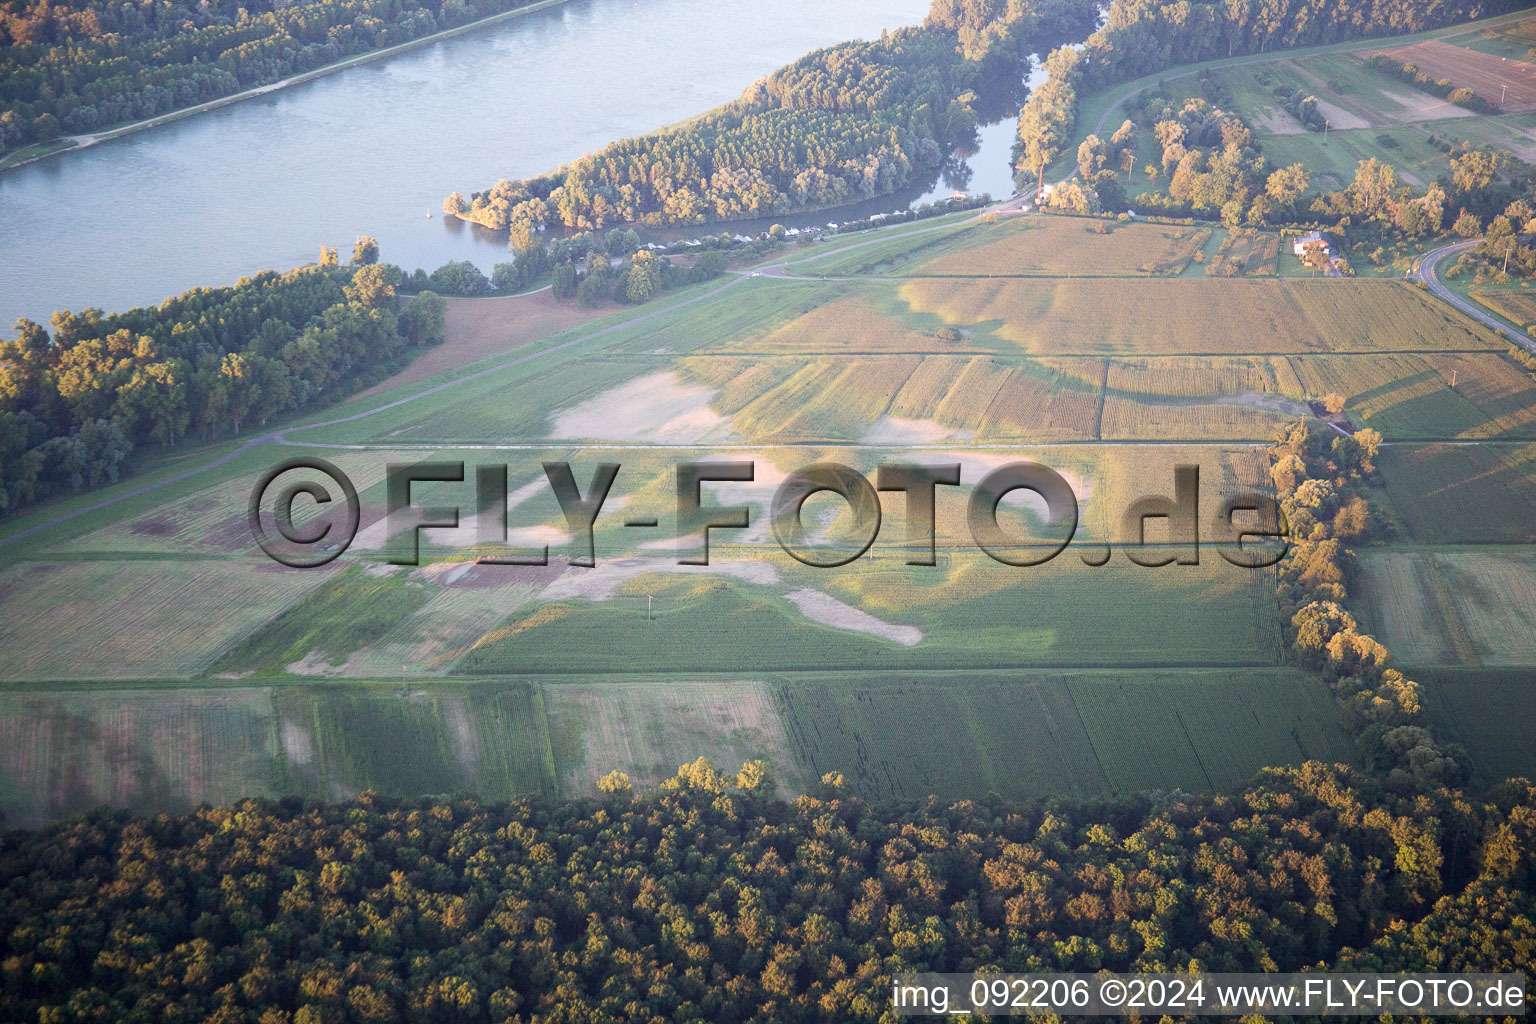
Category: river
[373,149]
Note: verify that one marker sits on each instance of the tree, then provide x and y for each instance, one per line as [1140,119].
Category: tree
[1334,403]
[564,286]
[593,290]
[424,320]
[454,204]
[615,782]
[365,251]
[328,256]
[643,277]
[1467,225]
[373,285]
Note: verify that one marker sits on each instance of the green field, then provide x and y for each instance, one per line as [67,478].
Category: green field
[1462,494]
[169,747]
[1487,711]
[1471,607]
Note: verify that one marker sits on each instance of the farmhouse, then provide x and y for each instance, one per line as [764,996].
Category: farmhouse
[1318,239]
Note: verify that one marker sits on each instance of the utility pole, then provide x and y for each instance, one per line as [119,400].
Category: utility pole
[648,598]
[1453,378]
[1504,88]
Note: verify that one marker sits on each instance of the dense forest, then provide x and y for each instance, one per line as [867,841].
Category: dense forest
[205,363]
[849,122]
[710,901]
[74,66]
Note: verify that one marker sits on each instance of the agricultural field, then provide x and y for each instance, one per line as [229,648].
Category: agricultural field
[1222,398]
[139,619]
[1472,607]
[1068,247]
[1462,494]
[1487,711]
[173,746]
[1111,358]
[1197,317]
[1516,40]
[1518,307]
[1504,83]
[1086,734]
[1410,397]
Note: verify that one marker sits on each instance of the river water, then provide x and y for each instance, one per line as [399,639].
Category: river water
[373,149]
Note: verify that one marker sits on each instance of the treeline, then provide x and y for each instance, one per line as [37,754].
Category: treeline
[1142,37]
[207,363]
[1322,479]
[711,901]
[850,122]
[73,66]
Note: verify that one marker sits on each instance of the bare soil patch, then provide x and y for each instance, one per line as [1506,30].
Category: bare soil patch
[658,407]
[1484,73]
[478,328]
[829,611]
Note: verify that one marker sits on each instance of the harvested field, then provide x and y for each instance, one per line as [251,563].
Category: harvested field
[1484,73]
[1070,246]
[1410,396]
[1516,306]
[135,619]
[480,328]
[1207,317]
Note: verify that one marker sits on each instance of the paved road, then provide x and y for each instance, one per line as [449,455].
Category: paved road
[1429,273]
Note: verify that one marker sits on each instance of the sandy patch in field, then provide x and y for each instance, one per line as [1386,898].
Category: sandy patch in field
[1340,119]
[603,581]
[1278,122]
[657,408]
[895,430]
[757,492]
[297,746]
[688,543]
[313,664]
[829,611]
[1422,106]
[478,328]
[1267,402]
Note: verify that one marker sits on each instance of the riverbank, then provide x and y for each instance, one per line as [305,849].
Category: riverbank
[75,143]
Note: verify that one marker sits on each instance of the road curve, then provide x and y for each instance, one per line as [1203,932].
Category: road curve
[1427,274]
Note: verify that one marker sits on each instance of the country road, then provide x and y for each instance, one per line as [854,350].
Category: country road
[1428,274]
